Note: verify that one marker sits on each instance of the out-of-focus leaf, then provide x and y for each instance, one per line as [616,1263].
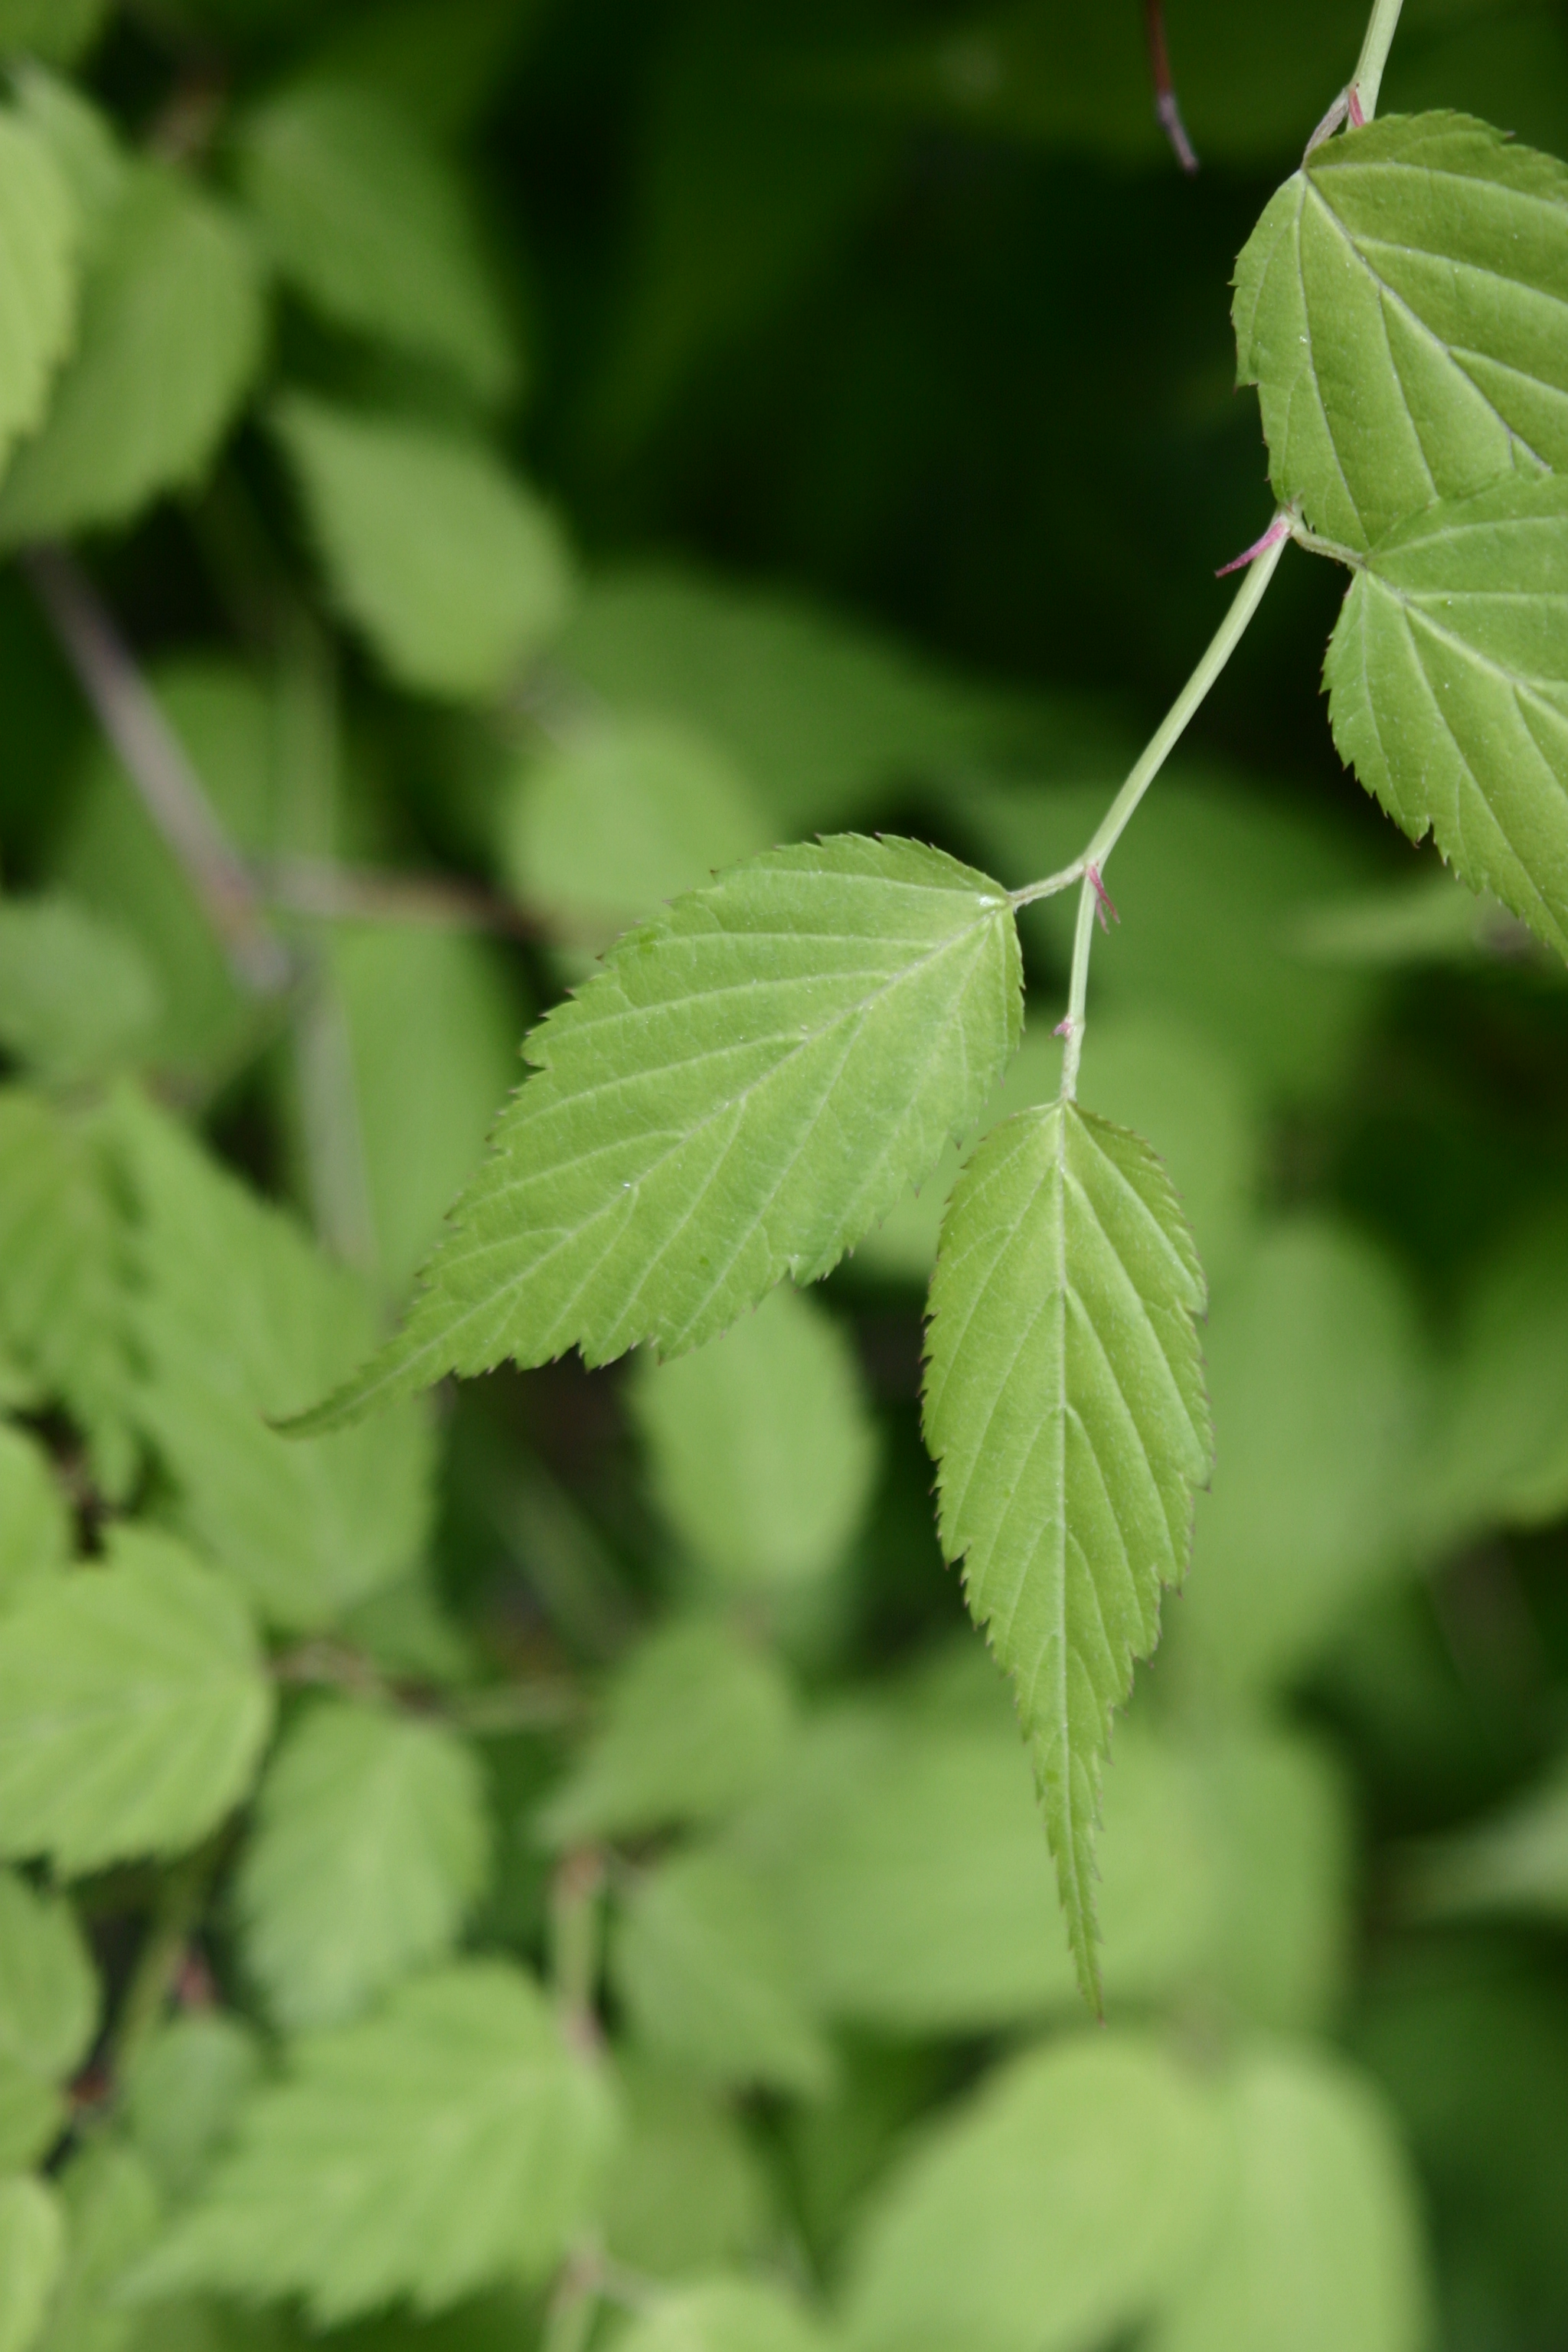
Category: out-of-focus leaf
[1500,1449]
[184,2090]
[111,2210]
[1314,1366]
[1065,1407]
[38,241]
[1434,921]
[684,2192]
[35,1525]
[1514,1865]
[1278,1838]
[722,2315]
[77,998]
[49,1993]
[79,136]
[369,1846]
[170,336]
[450,564]
[1406,341]
[762,1450]
[133,1708]
[694,1724]
[1210,883]
[31,2247]
[442,61]
[451,2141]
[59,30]
[1053,2212]
[239,1318]
[371,223]
[719,1043]
[620,818]
[702,1962]
[33,2116]
[1315,2237]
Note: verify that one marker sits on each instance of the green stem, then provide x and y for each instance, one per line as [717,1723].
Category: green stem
[1368,79]
[1163,743]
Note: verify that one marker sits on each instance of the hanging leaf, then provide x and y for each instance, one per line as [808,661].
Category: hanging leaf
[171,337]
[39,239]
[368,1848]
[1065,1407]
[721,1107]
[451,2141]
[133,1709]
[1447,677]
[448,563]
[1402,308]
[367,218]
[32,2247]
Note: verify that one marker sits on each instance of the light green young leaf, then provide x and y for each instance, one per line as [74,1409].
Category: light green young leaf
[77,998]
[182,2091]
[702,1960]
[448,563]
[722,2315]
[63,1310]
[32,2249]
[171,337]
[742,1091]
[620,818]
[38,241]
[49,1993]
[695,1724]
[763,1452]
[1447,677]
[451,2141]
[685,2192]
[1050,2213]
[1402,308]
[238,1317]
[133,1709]
[369,1846]
[1065,1407]
[1315,2238]
[56,30]
[35,1524]
[364,217]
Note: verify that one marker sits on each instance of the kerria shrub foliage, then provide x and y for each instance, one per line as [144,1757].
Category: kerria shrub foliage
[544,1864]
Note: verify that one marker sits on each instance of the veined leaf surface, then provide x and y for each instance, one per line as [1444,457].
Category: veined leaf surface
[1065,1407]
[1402,308]
[740,1093]
[1447,677]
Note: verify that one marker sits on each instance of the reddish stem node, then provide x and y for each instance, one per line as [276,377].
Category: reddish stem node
[1104,905]
[1278,530]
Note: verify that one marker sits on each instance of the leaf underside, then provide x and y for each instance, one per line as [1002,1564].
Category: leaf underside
[743,1092]
[1064,1406]
[1447,677]
[1403,309]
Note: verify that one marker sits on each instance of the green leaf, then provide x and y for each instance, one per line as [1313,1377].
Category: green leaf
[133,1709]
[1499,1449]
[32,2247]
[364,216]
[685,2191]
[762,1452]
[722,2315]
[182,2091]
[369,1846]
[451,2141]
[1447,677]
[742,1091]
[49,1993]
[702,1960]
[1050,2213]
[56,30]
[112,2211]
[77,998]
[38,239]
[695,1723]
[1065,1407]
[171,337]
[1514,1865]
[445,562]
[63,1312]
[1402,308]
[1316,2240]
[1279,1848]
[619,817]
[445,62]
[34,2117]
[1315,1370]
[238,1317]
[35,1524]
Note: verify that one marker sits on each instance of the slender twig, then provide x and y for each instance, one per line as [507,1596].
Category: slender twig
[154,758]
[1166,104]
[336,893]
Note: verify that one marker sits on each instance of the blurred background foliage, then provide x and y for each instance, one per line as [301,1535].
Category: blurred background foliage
[534,454]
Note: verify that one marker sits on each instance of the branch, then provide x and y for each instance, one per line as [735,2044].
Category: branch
[1166,104]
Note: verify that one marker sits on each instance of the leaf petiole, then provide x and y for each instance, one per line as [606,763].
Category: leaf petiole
[1367,80]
